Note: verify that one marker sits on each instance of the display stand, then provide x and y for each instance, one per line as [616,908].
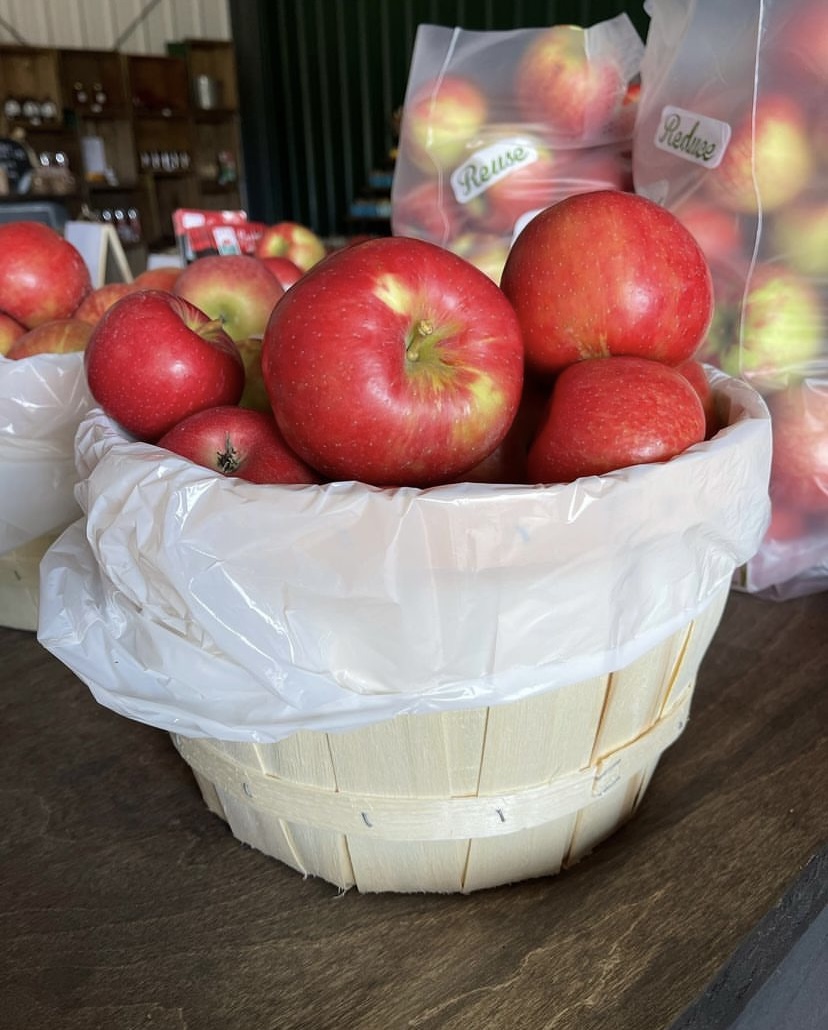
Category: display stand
[102,251]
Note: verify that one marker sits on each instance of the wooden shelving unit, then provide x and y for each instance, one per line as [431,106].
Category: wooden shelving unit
[164,148]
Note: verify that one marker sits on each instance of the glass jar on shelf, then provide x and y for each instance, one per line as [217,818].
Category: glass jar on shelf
[12,108]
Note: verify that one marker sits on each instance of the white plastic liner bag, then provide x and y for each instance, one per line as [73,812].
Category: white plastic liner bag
[211,607]
[42,401]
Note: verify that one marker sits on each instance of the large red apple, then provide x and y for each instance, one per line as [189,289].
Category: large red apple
[10,330]
[768,160]
[799,470]
[99,300]
[154,358]
[611,413]
[61,336]
[606,273]
[235,288]
[393,362]
[564,88]
[237,442]
[293,241]
[438,120]
[42,276]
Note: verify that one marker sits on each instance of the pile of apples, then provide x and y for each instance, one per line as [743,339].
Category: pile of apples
[394,362]
[509,130]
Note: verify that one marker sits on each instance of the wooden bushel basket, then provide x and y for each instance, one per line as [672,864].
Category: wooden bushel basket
[20,584]
[461,800]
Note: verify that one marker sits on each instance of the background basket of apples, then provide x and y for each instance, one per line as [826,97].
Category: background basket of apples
[43,280]
[429,620]
[498,125]
[48,309]
[732,136]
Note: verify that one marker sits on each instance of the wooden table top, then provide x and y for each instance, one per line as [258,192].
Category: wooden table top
[126,904]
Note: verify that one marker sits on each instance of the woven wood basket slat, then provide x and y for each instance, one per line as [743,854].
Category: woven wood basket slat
[463,800]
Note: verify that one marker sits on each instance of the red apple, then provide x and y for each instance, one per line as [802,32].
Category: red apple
[42,276]
[799,470]
[161,278]
[154,358]
[606,273]
[237,442]
[61,336]
[393,362]
[237,289]
[286,271]
[99,300]
[565,89]
[293,241]
[438,119]
[10,330]
[768,160]
[694,373]
[611,413]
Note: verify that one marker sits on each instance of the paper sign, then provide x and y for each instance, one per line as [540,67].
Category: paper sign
[102,251]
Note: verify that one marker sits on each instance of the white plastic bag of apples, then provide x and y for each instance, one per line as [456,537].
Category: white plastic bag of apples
[42,401]
[212,607]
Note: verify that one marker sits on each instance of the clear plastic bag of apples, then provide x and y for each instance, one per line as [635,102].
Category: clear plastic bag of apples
[732,137]
[497,125]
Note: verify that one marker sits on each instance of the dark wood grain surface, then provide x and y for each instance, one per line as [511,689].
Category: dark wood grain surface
[126,904]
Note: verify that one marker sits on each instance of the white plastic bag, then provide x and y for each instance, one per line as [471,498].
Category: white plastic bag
[42,401]
[208,606]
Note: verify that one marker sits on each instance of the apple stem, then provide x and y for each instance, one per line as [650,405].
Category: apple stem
[228,459]
[424,328]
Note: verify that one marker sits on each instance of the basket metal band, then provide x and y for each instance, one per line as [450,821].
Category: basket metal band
[452,818]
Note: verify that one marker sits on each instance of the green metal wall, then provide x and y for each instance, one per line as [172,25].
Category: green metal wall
[319,79]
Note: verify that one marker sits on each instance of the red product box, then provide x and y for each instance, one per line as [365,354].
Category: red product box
[200,233]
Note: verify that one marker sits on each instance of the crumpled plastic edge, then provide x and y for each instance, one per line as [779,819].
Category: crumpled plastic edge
[169,628]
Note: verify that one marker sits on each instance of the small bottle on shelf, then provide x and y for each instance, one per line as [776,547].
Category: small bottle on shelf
[98,98]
